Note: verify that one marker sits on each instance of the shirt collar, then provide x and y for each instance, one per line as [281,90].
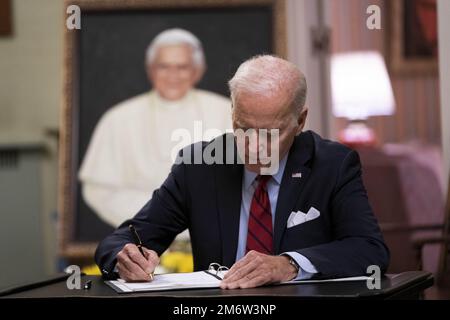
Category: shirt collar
[249,176]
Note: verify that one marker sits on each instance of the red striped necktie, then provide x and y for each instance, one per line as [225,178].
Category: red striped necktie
[260,234]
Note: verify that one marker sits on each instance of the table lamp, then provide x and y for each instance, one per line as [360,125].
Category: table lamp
[360,88]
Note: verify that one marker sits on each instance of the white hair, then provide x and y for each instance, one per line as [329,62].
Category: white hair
[176,36]
[265,74]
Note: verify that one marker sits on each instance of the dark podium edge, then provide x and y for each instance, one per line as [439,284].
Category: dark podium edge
[408,290]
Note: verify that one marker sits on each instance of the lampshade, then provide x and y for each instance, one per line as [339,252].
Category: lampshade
[360,85]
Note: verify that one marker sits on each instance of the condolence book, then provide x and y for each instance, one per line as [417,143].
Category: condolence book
[210,278]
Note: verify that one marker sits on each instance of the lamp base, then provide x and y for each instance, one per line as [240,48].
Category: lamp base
[358,134]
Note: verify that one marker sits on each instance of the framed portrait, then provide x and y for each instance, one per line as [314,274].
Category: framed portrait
[413,40]
[5,18]
[104,65]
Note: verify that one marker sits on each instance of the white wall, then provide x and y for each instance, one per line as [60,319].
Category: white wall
[30,93]
[444,69]
[302,16]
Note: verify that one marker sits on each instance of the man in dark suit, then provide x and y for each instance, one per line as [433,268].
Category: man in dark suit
[309,217]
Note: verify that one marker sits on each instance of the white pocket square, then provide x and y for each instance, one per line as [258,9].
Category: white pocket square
[299,217]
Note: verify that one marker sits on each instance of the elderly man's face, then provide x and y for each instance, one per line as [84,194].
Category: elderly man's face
[173,72]
[255,112]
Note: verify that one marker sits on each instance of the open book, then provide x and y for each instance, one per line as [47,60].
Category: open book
[210,278]
[171,281]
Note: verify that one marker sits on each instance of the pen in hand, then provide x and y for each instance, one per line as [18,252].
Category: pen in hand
[138,243]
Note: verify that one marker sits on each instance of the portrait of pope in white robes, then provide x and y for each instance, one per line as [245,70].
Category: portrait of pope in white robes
[130,152]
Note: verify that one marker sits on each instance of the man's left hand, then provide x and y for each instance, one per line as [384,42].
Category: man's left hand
[257,269]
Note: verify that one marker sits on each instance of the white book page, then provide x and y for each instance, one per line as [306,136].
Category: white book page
[199,279]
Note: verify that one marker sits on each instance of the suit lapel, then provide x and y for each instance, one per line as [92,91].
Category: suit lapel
[299,154]
[229,194]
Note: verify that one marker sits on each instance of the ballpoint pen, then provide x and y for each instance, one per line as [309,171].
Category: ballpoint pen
[138,243]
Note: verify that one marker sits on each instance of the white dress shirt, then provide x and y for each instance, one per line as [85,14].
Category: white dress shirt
[307,269]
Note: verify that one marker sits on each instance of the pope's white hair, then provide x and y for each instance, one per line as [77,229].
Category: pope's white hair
[176,36]
[266,74]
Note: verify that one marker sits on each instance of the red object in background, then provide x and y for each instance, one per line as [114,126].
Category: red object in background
[426,11]
[358,134]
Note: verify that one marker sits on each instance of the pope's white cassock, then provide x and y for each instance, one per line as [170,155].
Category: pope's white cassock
[130,153]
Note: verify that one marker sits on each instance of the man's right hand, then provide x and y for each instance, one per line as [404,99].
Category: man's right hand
[133,266]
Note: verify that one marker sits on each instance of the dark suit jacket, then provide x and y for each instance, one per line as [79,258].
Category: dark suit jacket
[206,199]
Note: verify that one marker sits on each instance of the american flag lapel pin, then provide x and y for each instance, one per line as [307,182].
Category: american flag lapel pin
[297,175]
